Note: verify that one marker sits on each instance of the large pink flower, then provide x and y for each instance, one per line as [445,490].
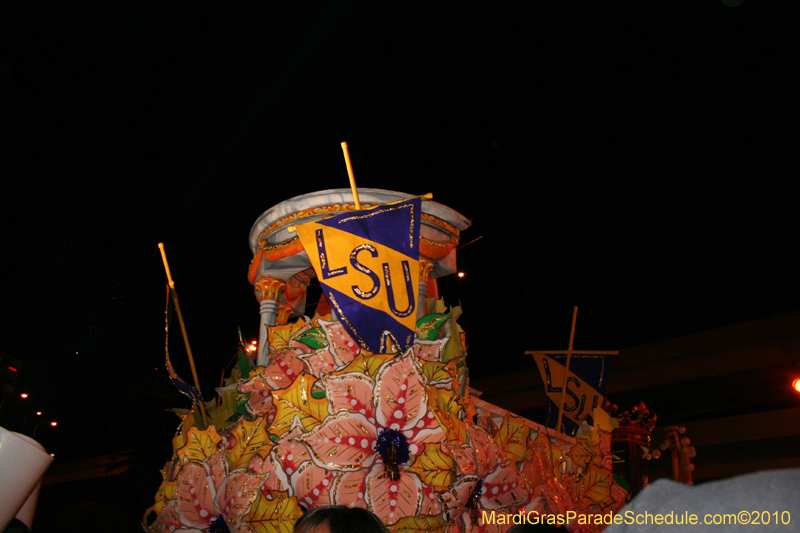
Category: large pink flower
[346,441]
[209,499]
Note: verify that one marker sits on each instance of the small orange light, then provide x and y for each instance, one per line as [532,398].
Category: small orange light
[460,274]
[54,423]
[38,413]
[796,385]
[23,395]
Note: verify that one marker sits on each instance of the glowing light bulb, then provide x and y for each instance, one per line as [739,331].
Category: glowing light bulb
[460,274]
[796,385]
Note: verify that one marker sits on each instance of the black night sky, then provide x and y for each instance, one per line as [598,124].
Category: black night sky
[636,159]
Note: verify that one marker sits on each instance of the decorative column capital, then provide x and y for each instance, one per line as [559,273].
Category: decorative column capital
[425,269]
[269,288]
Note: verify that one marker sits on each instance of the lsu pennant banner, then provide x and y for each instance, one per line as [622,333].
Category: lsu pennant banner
[368,265]
[586,386]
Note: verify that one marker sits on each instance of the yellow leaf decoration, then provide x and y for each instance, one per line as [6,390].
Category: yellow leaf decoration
[273,512]
[179,440]
[199,444]
[436,306]
[366,363]
[603,420]
[438,373]
[250,438]
[296,402]
[582,454]
[434,467]
[165,493]
[594,486]
[513,437]
[420,524]
[279,336]
[220,414]
[455,347]
[446,406]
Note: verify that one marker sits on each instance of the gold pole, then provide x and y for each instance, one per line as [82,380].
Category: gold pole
[566,368]
[183,330]
[350,175]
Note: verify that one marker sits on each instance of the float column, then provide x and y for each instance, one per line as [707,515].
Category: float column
[425,269]
[268,291]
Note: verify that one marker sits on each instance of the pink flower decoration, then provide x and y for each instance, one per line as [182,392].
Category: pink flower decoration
[313,485]
[346,440]
[430,350]
[350,488]
[206,496]
[502,489]
[341,345]
[285,366]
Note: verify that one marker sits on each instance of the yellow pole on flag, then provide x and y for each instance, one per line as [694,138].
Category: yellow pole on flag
[183,330]
[350,175]
[566,368]
[569,353]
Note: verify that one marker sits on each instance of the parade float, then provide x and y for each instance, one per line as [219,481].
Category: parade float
[365,401]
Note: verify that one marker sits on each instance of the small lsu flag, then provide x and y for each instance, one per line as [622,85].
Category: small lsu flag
[586,387]
[368,265]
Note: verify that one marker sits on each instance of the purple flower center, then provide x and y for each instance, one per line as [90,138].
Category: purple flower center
[388,437]
[218,525]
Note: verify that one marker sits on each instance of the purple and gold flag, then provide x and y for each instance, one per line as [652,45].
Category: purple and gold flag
[586,387]
[368,265]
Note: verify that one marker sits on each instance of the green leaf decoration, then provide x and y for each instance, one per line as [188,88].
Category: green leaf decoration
[241,402]
[314,338]
[430,326]
[622,482]
[244,365]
